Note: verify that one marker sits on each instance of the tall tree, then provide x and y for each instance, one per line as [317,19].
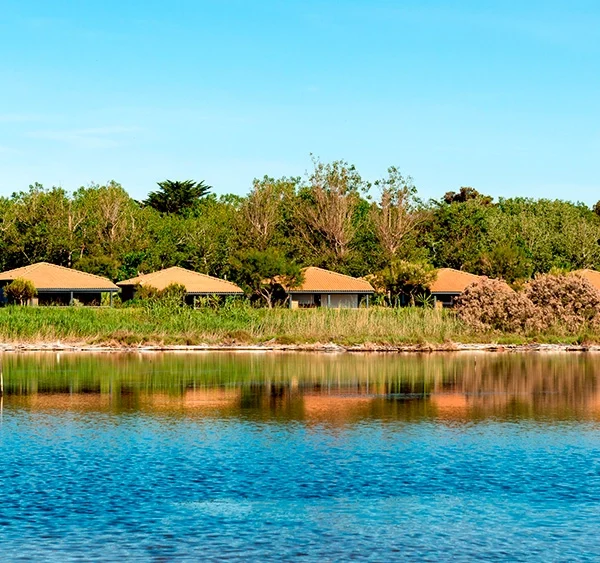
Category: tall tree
[177,197]
[262,210]
[398,213]
[327,211]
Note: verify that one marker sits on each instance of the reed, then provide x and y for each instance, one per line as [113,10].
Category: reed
[239,324]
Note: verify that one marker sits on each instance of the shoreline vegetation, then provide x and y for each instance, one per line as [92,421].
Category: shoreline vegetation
[157,327]
[330,218]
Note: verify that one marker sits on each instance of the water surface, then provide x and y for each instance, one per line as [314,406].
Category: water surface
[258,457]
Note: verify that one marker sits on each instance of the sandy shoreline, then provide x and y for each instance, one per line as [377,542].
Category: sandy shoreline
[316,347]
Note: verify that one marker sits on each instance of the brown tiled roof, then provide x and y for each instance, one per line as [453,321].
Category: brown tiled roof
[452,281]
[193,282]
[52,277]
[317,280]
[590,275]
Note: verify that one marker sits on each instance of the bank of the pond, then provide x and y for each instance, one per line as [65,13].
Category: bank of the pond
[317,347]
[160,328]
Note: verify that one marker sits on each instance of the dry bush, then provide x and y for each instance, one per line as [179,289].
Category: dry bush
[568,300]
[491,305]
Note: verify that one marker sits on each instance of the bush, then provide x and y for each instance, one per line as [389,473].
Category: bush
[171,299]
[105,299]
[174,295]
[20,291]
[146,292]
[492,305]
[402,277]
[567,300]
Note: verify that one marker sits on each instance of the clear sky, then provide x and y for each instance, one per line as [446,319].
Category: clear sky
[499,95]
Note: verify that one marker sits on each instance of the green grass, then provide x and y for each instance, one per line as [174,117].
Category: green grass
[238,324]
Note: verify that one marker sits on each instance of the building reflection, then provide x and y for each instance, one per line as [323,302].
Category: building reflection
[336,390]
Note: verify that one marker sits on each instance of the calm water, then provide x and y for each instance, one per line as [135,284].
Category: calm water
[260,457]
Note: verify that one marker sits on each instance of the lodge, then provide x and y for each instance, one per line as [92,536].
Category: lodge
[57,285]
[196,284]
[449,284]
[323,288]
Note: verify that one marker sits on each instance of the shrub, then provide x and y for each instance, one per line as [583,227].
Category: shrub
[146,292]
[492,305]
[105,299]
[567,300]
[174,295]
[402,277]
[171,298]
[19,291]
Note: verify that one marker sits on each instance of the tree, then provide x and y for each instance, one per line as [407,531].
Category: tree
[456,235]
[406,278]
[465,194]
[43,225]
[211,237]
[327,209]
[113,223]
[263,272]
[177,197]
[398,213]
[262,210]
[19,291]
[99,265]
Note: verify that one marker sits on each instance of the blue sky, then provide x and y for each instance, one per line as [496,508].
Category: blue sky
[502,96]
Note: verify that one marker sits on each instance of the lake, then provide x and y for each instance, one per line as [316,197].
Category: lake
[321,457]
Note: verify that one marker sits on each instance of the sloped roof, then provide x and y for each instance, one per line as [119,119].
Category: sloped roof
[590,275]
[194,282]
[52,277]
[452,281]
[318,280]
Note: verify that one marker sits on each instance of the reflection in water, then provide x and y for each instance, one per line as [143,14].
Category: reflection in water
[271,457]
[334,389]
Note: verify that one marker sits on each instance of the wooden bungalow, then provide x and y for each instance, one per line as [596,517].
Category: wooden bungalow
[196,284]
[449,284]
[323,288]
[57,285]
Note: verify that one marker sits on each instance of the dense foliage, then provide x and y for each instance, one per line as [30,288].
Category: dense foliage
[331,218]
[19,291]
[550,302]
[569,300]
[491,305]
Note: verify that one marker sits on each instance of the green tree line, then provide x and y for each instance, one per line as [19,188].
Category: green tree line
[332,218]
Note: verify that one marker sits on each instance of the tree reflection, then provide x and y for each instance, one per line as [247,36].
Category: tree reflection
[336,389]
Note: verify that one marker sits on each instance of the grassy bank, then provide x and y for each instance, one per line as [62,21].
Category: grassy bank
[159,325]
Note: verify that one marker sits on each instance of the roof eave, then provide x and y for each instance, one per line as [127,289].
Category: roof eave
[76,289]
[447,292]
[331,291]
[215,293]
